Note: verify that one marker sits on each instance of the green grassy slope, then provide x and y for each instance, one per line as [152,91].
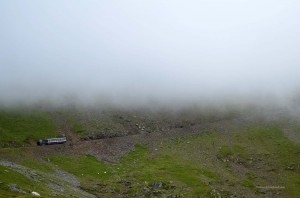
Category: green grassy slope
[253,160]
[242,162]
[196,165]
[17,129]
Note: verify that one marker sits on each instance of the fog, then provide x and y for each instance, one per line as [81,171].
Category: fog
[139,52]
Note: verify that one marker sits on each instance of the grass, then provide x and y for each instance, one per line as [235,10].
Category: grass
[247,149]
[36,164]
[277,151]
[8,177]
[190,166]
[78,128]
[17,129]
[164,168]
[82,166]
[138,168]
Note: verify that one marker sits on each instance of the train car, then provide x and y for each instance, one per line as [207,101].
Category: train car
[51,141]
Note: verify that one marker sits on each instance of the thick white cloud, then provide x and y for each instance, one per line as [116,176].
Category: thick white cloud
[148,50]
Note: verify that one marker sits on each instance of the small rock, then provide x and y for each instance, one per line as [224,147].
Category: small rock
[15,188]
[145,189]
[157,184]
[35,193]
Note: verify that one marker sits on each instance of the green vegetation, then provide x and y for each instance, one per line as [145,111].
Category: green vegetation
[36,164]
[9,177]
[225,160]
[77,128]
[17,129]
[81,166]
[138,168]
[196,163]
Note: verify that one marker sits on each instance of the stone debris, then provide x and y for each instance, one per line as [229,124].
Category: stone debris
[15,188]
[157,184]
[59,182]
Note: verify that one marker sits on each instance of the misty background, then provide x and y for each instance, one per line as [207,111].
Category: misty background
[138,52]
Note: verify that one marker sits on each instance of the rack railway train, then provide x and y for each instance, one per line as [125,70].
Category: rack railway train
[51,141]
